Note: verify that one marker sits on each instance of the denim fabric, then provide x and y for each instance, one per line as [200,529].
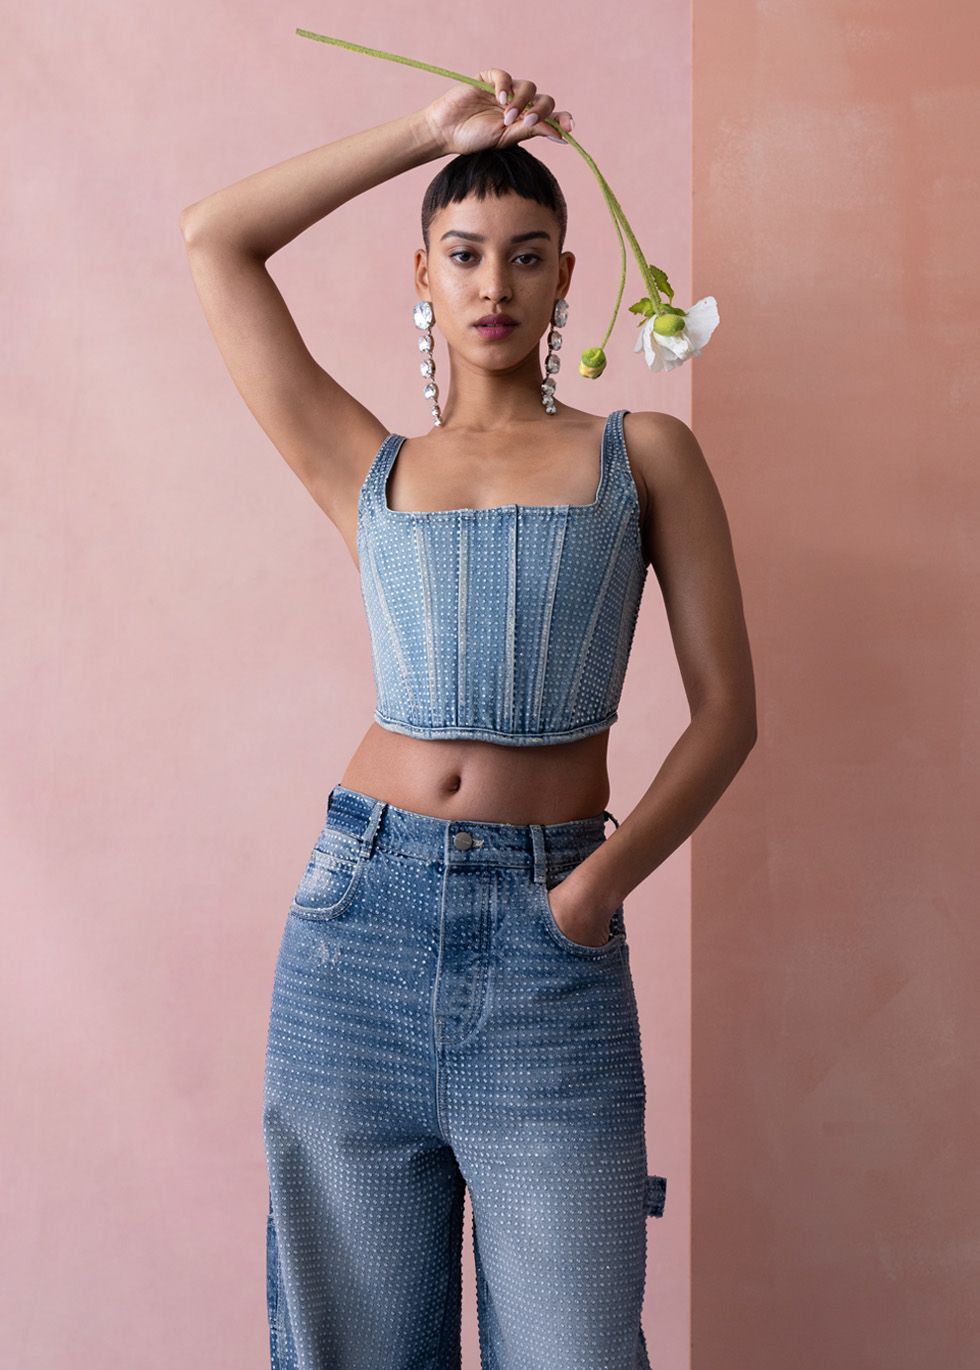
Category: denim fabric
[432,1029]
[511,624]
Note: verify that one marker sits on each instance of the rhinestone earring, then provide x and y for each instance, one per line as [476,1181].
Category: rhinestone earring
[552,363]
[423,316]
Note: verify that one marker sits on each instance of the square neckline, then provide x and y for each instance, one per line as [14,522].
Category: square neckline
[387,510]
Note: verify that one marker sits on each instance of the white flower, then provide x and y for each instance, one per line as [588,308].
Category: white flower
[665,351]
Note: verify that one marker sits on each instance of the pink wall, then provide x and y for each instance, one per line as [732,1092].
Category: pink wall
[835,1124]
[186,667]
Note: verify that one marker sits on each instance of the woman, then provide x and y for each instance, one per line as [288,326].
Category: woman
[453,1005]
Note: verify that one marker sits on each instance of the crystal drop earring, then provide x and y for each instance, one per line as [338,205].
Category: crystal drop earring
[552,363]
[423,316]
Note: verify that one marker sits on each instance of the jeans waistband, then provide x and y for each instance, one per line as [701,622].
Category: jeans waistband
[380,826]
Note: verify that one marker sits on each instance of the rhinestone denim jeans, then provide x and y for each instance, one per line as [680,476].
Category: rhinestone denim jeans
[432,1029]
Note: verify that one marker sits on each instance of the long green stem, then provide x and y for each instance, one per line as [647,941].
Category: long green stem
[615,209]
[622,269]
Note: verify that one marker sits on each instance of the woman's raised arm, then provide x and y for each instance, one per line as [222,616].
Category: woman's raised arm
[321,430]
[268,209]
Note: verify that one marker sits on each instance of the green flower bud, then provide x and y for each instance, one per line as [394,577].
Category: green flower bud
[668,324]
[593,363]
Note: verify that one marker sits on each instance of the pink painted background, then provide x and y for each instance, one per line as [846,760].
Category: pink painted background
[186,668]
[836,1130]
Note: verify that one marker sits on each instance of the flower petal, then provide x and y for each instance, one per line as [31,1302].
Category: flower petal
[701,322]
[677,349]
[651,347]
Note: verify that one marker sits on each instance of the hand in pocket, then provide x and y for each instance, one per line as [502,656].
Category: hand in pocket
[580,922]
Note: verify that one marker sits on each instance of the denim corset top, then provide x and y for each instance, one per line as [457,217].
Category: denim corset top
[510,624]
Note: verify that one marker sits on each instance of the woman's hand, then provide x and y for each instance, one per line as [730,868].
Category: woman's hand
[580,922]
[467,119]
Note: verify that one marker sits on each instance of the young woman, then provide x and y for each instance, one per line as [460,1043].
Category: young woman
[453,1006]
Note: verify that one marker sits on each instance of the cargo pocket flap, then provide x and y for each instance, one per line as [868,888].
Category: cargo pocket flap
[655,1195]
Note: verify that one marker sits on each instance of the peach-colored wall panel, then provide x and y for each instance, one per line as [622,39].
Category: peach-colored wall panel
[834,895]
[186,667]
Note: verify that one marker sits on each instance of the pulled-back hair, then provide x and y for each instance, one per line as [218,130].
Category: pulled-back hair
[494,172]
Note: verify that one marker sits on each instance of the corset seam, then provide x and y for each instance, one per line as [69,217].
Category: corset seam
[600,600]
[392,631]
[462,603]
[542,665]
[510,666]
[424,577]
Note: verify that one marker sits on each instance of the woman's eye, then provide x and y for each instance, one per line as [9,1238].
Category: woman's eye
[462,252]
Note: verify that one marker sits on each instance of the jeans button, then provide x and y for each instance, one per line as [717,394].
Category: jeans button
[463,841]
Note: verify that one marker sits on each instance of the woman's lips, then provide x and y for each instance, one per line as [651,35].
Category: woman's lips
[495,330]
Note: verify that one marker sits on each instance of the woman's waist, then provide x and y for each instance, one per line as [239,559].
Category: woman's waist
[483,781]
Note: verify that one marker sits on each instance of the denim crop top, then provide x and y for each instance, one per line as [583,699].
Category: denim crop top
[509,624]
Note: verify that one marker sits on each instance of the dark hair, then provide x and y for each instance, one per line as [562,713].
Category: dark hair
[497,172]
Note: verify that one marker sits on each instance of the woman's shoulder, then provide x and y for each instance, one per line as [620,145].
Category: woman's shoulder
[661,446]
[669,469]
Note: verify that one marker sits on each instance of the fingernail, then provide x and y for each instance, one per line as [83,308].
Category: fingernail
[502,97]
[511,114]
[530,119]
[555,139]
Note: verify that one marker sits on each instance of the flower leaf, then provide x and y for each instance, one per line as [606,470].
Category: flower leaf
[660,280]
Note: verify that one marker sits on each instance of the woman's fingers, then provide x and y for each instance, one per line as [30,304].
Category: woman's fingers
[521,97]
[541,108]
[565,120]
[502,82]
[524,105]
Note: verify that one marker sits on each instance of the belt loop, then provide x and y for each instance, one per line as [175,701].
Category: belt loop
[330,797]
[540,856]
[607,814]
[371,831]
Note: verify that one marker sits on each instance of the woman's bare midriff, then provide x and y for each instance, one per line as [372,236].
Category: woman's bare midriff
[484,781]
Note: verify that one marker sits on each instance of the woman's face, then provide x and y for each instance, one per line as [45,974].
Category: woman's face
[474,267]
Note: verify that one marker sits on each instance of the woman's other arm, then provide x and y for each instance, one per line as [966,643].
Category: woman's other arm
[688,542]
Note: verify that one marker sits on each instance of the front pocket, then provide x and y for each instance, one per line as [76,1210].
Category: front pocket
[617,931]
[332,875]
